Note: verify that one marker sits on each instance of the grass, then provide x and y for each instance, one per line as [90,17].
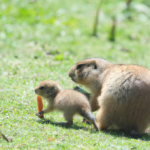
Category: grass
[41,40]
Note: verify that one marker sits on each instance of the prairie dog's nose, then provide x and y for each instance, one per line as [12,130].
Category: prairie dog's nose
[71,71]
[35,90]
[71,74]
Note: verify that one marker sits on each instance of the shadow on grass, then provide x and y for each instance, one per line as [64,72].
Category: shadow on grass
[121,134]
[47,121]
[143,137]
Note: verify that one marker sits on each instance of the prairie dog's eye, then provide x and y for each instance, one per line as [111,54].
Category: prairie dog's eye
[41,88]
[95,67]
[79,66]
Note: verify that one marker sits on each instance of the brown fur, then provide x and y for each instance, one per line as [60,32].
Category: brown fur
[68,101]
[120,93]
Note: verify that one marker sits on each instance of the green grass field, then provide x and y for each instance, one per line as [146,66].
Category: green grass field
[41,40]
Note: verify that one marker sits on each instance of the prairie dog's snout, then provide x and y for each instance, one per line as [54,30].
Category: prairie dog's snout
[71,73]
[36,90]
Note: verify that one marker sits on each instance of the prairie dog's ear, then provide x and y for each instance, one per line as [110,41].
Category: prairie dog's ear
[52,90]
[94,65]
[80,66]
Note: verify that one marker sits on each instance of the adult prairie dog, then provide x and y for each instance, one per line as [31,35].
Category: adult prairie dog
[120,93]
[70,102]
[90,73]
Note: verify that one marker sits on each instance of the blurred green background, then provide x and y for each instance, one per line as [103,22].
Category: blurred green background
[42,39]
[35,27]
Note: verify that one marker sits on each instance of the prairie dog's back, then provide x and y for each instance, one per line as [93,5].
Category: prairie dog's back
[127,81]
[72,100]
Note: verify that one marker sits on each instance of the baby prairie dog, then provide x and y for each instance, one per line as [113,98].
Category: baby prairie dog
[120,93]
[70,102]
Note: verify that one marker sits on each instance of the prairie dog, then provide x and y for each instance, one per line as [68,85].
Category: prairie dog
[90,73]
[70,102]
[120,93]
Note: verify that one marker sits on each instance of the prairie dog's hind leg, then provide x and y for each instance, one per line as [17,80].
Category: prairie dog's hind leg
[68,117]
[90,117]
[102,120]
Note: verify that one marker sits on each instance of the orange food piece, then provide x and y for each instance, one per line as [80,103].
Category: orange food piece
[40,105]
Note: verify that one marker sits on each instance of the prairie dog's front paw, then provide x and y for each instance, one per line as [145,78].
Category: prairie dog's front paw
[40,114]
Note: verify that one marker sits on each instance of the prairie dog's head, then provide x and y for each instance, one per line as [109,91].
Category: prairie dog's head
[88,70]
[47,89]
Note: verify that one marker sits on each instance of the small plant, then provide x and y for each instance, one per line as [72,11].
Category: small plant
[128,3]
[95,26]
[112,34]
